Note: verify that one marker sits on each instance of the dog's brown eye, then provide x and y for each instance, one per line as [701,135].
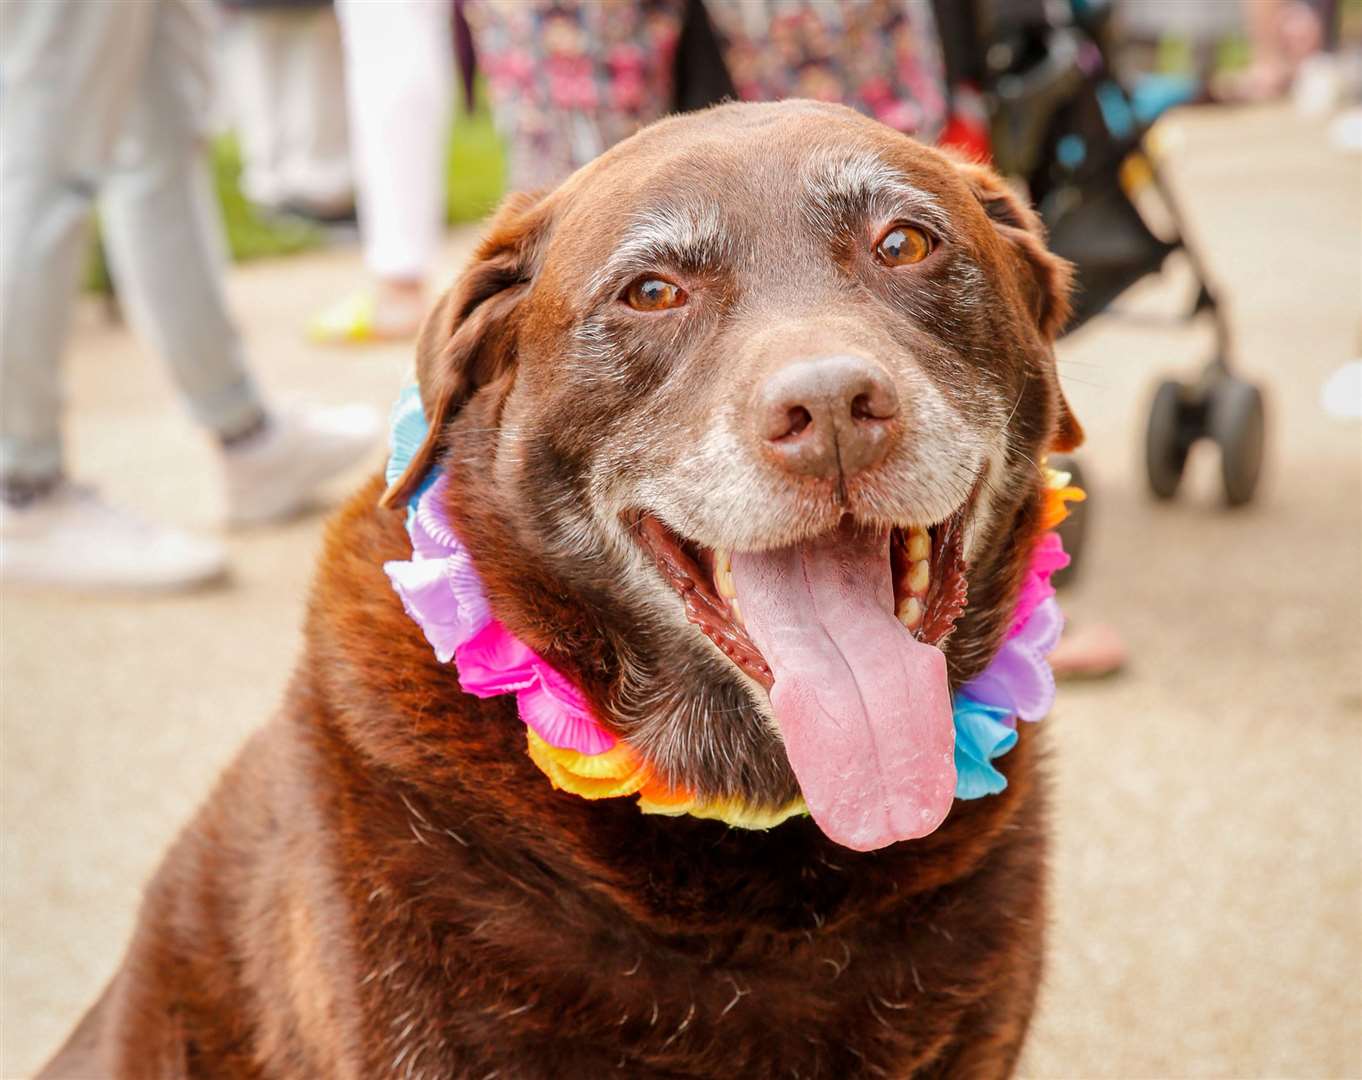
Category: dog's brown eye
[654,294]
[903,245]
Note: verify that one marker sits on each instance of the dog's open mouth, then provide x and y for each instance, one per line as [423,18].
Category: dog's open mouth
[845,634]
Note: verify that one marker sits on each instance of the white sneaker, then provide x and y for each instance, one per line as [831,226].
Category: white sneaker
[275,474]
[73,538]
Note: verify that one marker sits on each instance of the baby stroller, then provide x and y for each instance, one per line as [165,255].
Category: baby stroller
[1058,119]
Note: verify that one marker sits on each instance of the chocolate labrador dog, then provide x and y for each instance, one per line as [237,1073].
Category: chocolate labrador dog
[728,423]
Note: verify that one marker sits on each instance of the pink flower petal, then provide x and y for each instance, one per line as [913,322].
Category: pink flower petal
[565,724]
[494,661]
[1048,557]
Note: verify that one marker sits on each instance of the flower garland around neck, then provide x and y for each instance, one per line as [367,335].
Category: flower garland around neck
[442,592]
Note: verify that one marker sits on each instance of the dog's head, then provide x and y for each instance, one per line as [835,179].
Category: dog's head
[726,417]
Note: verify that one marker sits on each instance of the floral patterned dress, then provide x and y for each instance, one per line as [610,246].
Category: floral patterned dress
[569,78]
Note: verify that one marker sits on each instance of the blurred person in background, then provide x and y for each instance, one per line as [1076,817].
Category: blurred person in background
[1282,35]
[399,74]
[570,79]
[1243,50]
[110,99]
[286,88]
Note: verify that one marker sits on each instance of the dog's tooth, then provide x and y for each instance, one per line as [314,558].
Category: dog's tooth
[919,544]
[910,612]
[919,577]
[737,612]
[723,574]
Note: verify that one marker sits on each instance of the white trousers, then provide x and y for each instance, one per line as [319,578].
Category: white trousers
[286,83]
[108,98]
[399,68]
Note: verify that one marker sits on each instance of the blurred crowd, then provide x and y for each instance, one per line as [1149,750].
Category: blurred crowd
[566,80]
[342,112]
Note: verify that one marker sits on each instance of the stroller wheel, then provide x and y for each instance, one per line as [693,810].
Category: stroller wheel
[1173,427]
[1073,530]
[1237,425]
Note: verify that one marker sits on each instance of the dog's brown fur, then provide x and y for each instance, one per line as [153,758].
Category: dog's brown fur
[383,884]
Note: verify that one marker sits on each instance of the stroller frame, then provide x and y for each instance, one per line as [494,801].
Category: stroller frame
[1061,122]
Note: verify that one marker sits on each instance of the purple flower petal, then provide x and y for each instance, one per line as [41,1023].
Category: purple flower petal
[424,590]
[440,587]
[466,588]
[1019,678]
[1042,630]
[432,536]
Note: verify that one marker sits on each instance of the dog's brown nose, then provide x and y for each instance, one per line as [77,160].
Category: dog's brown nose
[827,415]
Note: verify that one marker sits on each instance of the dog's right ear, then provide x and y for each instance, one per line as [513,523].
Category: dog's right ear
[469,337]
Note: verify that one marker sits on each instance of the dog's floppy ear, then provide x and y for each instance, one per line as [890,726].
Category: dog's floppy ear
[469,337]
[1047,280]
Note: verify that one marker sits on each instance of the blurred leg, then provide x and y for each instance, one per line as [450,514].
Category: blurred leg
[316,161]
[165,235]
[255,55]
[69,70]
[400,78]
[163,226]
[66,72]
[288,103]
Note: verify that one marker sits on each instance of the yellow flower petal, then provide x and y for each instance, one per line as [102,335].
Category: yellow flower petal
[620,771]
[667,809]
[588,775]
[615,764]
[729,811]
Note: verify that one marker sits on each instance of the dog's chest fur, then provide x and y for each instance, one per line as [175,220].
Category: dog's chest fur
[472,957]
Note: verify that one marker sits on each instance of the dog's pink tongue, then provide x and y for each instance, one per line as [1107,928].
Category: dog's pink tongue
[863,706]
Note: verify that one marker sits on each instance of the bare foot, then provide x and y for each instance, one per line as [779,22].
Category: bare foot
[1088,652]
[399,307]
[391,310]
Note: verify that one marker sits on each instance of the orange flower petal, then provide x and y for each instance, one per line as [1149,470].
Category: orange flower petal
[1055,510]
[667,807]
[658,799]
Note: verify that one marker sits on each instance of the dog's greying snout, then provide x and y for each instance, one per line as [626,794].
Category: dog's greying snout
[827,416]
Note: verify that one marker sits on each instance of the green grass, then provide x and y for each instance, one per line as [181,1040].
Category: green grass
[475,171]
[250,236]
[474,180]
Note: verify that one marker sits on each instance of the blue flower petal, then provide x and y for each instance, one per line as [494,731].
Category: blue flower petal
[406,432]
[980,736]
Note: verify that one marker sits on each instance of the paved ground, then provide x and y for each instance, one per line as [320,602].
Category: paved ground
[1207,911]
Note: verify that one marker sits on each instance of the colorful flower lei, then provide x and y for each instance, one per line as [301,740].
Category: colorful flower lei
[441,590]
